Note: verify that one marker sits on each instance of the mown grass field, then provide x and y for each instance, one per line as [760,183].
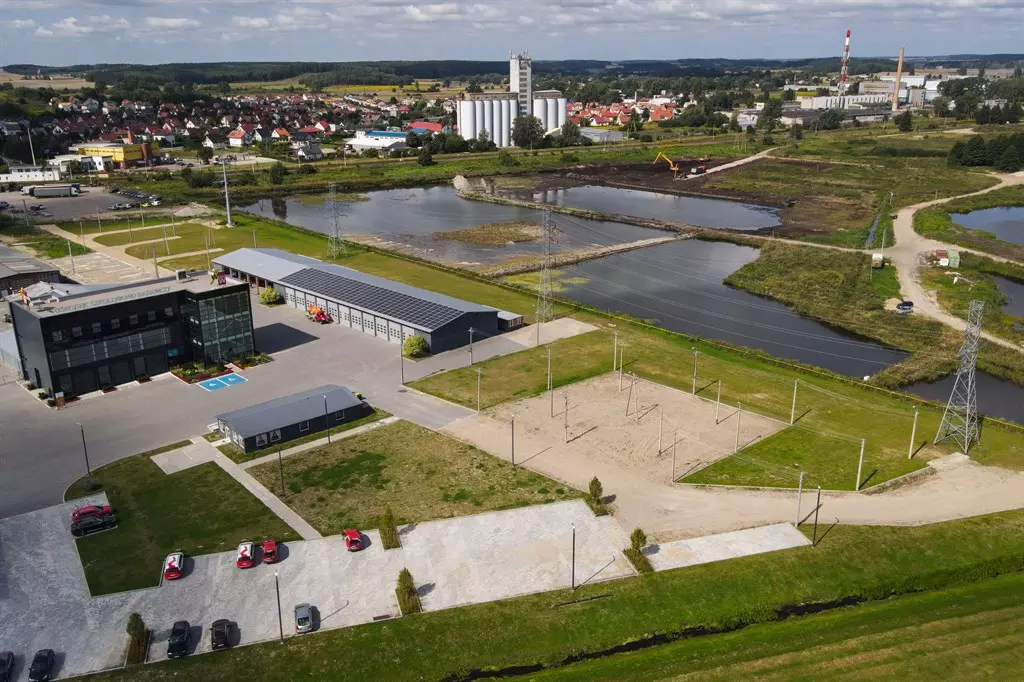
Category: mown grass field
[41,243]
[421,474]
[833,415]
[937,223]
[134,220]
[872,562]
[201,510]
[969,632]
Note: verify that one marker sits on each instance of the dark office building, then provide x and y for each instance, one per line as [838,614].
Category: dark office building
[112,335]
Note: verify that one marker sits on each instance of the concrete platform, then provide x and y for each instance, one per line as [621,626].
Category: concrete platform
[723,546]
[173,461]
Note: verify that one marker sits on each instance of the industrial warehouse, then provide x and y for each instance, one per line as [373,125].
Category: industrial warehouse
[373,305]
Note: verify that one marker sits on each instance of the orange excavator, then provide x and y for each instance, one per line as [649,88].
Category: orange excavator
[672,165]
[317,314]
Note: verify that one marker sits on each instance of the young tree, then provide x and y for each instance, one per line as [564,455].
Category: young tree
[596,490]
[570,136]
[205,154]
[904,121]
[796,131]
[734,122]
[482,143]
[527,132]
[425,157]
[277,173]
[412,140]
[831,119]
[770,115]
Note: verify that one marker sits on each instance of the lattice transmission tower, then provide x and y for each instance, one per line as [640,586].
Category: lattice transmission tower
[335,243]
[960,420]
[544,308]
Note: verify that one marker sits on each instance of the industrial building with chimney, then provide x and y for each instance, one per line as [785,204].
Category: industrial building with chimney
[496,112]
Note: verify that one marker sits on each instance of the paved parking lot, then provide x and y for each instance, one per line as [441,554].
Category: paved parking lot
[455,562]
[91,200]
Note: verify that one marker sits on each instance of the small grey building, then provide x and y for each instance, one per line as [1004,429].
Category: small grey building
[294,416]
[18,270]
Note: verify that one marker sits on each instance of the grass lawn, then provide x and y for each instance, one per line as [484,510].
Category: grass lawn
[133,220]
[830,411]
[937,223]
[43,244]
[958,633]
[200,510]
[181,230]
[236,454]
[976,281]
[870,561]
[422,474]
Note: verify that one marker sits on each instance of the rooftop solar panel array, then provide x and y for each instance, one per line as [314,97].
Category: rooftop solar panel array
[415,311]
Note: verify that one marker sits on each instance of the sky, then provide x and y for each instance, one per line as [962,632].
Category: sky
[56,32]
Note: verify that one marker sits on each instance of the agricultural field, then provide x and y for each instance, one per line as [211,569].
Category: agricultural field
[421,474]
[18,81]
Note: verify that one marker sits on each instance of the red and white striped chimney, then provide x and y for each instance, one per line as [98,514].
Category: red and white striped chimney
[845,65]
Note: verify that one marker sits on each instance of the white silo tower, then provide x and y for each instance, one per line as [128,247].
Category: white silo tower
[563,111]
[552,119]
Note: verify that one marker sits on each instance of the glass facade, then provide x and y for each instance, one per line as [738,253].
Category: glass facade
[220,326]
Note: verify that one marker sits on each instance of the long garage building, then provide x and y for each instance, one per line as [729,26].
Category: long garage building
[373,305]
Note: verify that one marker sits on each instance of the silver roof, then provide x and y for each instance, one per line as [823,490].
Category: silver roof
[288,410]
[271,264]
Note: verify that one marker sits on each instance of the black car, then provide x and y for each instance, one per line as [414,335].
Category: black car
[6,666]
[220,634]
[177,645]
[92,524]
[42,666]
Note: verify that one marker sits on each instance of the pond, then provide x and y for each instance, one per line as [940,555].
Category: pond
[1014,292]
[1005,222]
[679,286]
[410,217]
[697,211]
[996,397]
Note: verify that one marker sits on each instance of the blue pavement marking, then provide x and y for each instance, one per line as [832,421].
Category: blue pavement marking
[222,382]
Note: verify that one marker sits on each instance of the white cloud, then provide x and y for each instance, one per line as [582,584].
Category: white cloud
[21,23]
[252,22]
[71,27]
[172,22]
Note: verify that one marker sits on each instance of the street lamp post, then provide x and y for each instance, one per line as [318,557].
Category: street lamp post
[327,420]
[471,330]
[280,618]
[572,578]
[401,359]
[85,450]
[280,464]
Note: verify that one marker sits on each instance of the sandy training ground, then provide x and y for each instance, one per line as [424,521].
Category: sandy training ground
[603,431]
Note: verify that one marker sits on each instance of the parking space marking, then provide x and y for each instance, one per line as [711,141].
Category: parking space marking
[218,383]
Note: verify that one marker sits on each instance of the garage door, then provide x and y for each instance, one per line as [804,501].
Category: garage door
[332,310]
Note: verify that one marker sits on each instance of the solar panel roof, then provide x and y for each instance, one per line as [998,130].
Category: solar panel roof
[416,311]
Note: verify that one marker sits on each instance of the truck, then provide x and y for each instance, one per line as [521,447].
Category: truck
[48,191]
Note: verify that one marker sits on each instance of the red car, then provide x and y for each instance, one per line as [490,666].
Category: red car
[353,540]
[90,511]
[270,552]
[174,564]
[244,558]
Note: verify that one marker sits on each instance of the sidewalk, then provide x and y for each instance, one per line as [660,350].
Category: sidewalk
[318,442]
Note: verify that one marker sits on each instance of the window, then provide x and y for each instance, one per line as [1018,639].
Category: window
[275,435]
[133,319]
[97,328]
[57,336]
[304,426]
[151,316]
[339,416]
[261,439]
[168,312]
[115,323]
[76,332]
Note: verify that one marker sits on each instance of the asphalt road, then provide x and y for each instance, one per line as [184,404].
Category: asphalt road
[41,449]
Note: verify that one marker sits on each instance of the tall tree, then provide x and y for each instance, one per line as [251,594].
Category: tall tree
[768,120]
[904,121]
[482,143]
[527,132]
[570,134]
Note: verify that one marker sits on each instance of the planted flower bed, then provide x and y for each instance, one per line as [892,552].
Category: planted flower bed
[194,372]
[247,361]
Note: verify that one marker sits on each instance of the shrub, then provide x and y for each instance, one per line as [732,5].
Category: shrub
[639,560]
[31,386]
[638,539]
[41,395]
[306,170]
[50,402]
[271,296]
[138,640]
[570,158]
[408,600]
[415,347]
[425,158]
[389,530]
[595,497]
[505,158]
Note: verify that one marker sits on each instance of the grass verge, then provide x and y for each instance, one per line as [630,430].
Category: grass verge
[420,474]
[180,231]
[957,633]
[199,510]
[851,563]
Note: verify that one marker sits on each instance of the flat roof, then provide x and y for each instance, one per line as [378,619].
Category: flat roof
[288,410]
[104,295]
[14,263]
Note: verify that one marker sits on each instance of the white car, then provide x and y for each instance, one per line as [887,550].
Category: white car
[245,556]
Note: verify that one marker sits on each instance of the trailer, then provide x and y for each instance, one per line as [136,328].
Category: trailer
[50,191]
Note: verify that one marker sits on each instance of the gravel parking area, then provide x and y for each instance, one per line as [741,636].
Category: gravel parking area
[455,562]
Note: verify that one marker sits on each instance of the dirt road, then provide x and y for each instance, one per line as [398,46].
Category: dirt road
[911,248]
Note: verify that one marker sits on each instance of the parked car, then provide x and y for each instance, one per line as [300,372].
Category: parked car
[220,634]
[905,307]
[174,565]
[42,666]
[6,666]
[244,558]
[303,619]
[91,510]
[353,540]
[270,555]
[177,644]
[37,207]
[92,524]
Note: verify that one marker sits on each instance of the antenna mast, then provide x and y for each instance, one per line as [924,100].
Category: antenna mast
[960,420]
